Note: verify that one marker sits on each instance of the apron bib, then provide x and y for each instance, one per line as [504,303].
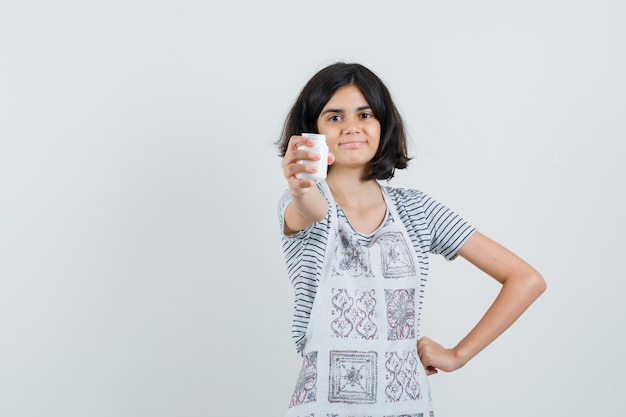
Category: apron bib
[360,357]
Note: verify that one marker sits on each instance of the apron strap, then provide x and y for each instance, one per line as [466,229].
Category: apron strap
[332,206]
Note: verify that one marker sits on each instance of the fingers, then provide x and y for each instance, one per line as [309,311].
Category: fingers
[293,166]
[431,370]
[295,144]
[427,351]
[295,153]
[423,349]
[436,358]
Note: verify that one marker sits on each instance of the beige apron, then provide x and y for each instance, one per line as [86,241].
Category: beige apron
[360,357]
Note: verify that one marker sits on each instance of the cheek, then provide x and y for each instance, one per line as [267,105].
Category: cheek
[327,130]
[374,131]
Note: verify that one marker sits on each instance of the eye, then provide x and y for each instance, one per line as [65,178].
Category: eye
[366,115]
[334,118]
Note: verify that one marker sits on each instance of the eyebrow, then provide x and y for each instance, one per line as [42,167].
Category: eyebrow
[343,111]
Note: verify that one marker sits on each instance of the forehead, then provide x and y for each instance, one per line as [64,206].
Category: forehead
[347,97]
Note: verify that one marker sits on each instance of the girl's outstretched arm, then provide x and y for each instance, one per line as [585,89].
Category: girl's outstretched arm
[308,205]
[521,285]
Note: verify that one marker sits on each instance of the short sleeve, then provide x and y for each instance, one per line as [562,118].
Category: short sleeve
[282,206]
[448,230]
[432,227]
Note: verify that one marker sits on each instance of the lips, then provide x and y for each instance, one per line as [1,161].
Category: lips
[352,144]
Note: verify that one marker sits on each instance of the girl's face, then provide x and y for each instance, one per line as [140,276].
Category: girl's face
[352,132]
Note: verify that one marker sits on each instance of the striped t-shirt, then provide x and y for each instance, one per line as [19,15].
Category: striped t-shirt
[432,228]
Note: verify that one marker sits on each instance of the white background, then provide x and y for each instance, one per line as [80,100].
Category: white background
[141,271]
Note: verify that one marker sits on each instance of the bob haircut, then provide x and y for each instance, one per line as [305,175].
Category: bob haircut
[392,150]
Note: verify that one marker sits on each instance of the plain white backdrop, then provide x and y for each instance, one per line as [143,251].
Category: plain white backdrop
[141,271]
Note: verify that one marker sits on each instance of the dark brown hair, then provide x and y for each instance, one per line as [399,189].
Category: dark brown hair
[392,150]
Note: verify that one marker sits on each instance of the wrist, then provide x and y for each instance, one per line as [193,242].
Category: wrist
[461,356]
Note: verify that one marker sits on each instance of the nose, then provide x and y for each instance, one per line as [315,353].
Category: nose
[352,124]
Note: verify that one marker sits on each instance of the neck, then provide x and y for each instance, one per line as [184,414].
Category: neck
[352,190]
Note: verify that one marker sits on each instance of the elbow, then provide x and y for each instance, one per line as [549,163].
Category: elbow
[536,284]
[528,282]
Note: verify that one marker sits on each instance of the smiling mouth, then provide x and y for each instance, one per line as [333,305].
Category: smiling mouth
[354,144]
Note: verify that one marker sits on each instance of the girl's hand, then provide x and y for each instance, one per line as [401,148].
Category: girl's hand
[435,357]
[291,167]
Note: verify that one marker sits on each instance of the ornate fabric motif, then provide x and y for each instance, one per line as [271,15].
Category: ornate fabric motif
[337,415]
[398,415]
[355,314]
[402,370]
[306,386]
[353,257]
[396,259]
[353,377]
[400,314]
[409,415]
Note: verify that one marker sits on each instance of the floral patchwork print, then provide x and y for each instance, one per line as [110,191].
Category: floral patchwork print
[396,258]
[353,377]
[400,314]
[355,313]
[306,386]
[353,257]
[398,415]
[409,415]
[339,415]
[402,369]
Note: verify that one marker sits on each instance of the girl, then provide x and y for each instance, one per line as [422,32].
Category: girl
[357,254]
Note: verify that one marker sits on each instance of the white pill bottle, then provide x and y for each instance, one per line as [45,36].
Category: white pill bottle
[319,147]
